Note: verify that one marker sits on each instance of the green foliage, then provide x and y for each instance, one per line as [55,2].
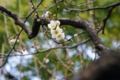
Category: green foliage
[57,57]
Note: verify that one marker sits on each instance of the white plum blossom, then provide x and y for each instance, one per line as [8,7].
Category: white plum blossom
[52,24]
[46,60]
[56,32]
[46,15]
[12,41]
[57,23]
[60,36]
[75,35]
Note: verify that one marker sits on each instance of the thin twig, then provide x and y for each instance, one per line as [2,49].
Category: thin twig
[104,7]
[46,50]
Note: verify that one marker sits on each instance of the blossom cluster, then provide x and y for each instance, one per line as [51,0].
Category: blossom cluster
[56,31]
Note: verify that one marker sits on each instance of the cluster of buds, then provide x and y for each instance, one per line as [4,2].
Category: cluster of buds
[56,31]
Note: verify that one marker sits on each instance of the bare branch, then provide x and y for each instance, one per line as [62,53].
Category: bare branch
[46,50]
[106,18]
[84,10]
[81,24]
[80,4]
[17,20]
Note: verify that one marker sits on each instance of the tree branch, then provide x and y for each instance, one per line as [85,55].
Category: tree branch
[106,18]
[104,7]
[46,50]
[81,24]
[17,20]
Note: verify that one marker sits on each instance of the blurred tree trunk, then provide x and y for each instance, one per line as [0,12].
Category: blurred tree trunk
[107,67]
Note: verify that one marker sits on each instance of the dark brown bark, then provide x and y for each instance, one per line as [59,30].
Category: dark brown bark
[107,67]
[81,24]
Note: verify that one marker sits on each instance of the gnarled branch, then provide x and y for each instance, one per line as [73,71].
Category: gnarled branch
[17,20]
[81,24]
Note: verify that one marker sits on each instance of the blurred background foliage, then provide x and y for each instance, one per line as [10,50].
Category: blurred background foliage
[61,62]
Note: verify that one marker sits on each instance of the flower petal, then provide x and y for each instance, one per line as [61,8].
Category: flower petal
[47,14]
[59,29]
[60,36]
[49,25]
[57,23]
